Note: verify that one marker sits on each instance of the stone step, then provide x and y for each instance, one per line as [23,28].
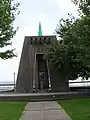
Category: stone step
[43,96]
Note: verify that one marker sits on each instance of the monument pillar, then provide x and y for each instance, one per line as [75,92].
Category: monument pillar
[34,78]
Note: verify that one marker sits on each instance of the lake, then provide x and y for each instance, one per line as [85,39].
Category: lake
[7,86]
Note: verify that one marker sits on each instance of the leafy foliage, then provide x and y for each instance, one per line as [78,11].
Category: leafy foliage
[7,16]
[72,51]
[84,6]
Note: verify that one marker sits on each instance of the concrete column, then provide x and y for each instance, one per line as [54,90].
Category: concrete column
[34,81]
[48,76]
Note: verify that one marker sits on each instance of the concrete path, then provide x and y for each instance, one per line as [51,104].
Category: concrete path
[44,111]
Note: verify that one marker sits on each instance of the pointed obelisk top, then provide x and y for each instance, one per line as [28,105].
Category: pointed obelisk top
[40,30]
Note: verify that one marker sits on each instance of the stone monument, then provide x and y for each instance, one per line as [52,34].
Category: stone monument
[34,74]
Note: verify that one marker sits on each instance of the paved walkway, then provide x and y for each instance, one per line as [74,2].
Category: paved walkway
[44,111]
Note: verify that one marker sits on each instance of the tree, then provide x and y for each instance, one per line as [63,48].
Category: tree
[83,5]
[72,51]
[8,12]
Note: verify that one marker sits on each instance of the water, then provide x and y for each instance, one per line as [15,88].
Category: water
[6,87]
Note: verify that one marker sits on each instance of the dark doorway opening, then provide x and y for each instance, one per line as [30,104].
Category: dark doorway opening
[43,82]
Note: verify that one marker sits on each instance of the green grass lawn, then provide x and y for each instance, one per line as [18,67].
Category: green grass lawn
[11,110]
[77,109]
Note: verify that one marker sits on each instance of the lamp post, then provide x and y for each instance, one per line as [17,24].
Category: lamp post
[14,80]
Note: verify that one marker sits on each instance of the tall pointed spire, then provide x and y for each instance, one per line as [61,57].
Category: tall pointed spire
[40,30]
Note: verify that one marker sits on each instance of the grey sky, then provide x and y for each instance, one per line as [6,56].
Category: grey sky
[49,12]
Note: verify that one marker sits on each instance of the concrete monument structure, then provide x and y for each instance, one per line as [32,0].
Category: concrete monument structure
[34,73]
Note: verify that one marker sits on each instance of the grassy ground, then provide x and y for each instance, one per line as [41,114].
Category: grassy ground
[11,110]
[77,109]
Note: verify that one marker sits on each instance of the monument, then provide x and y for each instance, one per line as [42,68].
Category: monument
[34,73]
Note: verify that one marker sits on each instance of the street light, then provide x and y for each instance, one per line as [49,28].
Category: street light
[14,80]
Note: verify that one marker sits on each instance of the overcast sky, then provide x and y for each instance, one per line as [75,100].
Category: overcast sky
[49,12]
